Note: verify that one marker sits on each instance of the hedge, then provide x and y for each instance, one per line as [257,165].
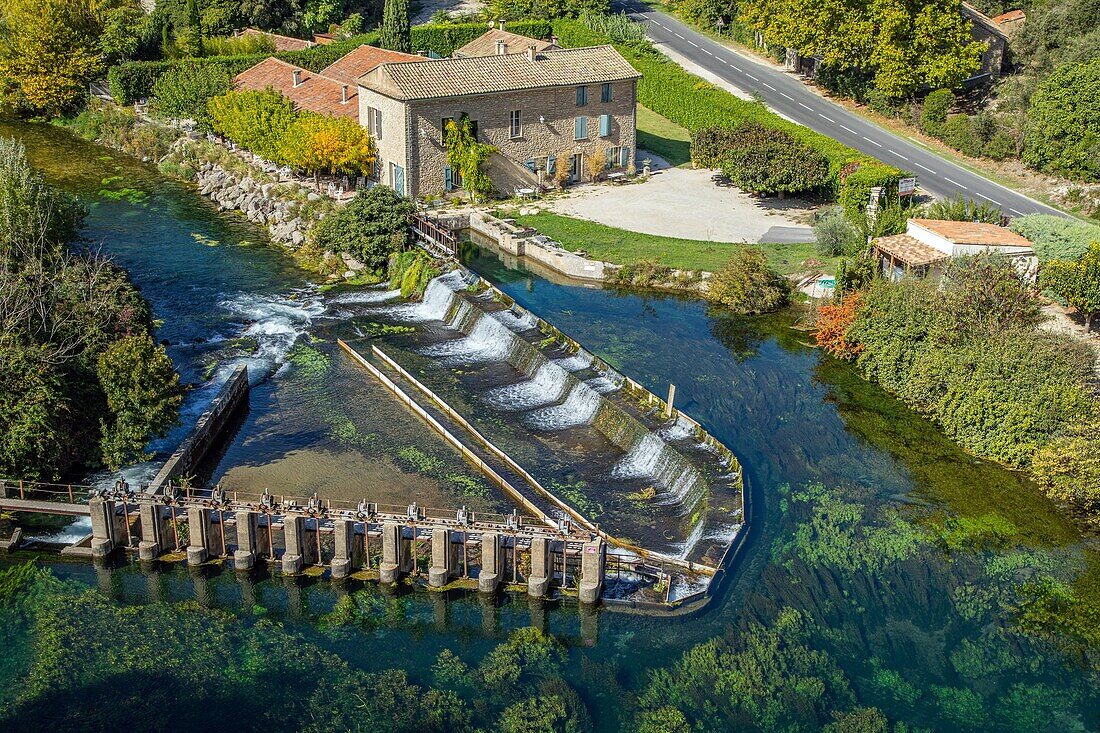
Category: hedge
[670,91]
[134,80]
[855,188]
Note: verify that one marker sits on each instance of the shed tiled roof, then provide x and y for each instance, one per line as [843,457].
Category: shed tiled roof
[282,43]
[348,68]
[315,92]
[974,233]
[441,78]
[909,250]
[486,45]
[1012,16]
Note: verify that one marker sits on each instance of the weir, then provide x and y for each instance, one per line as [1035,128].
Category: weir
[677,490]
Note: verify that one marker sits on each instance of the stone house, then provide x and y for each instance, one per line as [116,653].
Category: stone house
[928,244]
[540,106]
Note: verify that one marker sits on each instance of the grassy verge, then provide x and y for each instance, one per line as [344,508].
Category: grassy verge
[663,137]
[621,247]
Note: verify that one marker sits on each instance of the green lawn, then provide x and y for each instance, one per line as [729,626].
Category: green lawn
[622,247]
[663,137]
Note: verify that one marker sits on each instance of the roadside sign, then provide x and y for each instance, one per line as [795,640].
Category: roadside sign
[907,186]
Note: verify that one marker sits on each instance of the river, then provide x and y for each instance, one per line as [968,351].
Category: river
[914,563]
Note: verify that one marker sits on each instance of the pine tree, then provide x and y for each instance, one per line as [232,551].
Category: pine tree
[396,34]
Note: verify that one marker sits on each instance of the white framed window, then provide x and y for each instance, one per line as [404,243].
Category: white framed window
[515,124]
[374,122]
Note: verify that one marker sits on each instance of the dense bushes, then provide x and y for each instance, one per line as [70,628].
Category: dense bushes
[371,227]
[184,92]
[1056,237]
[118,128]
[82,383]
[517,9]
[670,91]
[960,209]
[935,109]
[834,235]
[255,120]
[1063,134]
[760,159]
[856,185]
[134,80]
[747,285]
[946,348]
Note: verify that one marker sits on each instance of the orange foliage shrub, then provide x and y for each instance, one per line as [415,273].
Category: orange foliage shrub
[833,323]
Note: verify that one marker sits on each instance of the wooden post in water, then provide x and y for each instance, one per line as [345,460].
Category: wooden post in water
[669,409]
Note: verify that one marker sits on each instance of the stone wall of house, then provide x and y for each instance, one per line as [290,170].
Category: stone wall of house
[421,140]
[393,144]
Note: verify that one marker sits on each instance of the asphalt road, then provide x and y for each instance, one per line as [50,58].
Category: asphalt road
[788,96]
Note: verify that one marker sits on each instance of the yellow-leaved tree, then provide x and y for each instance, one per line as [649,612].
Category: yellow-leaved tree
[315,144]
[49,52]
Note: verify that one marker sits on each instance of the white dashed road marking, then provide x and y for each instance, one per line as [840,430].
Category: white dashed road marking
[849,129]
[954,182]
[987,198]
[872,141]
[806,106]
[751,77]
[830,119]
[1017,211]
[788,96]
[897,154]
[925,168]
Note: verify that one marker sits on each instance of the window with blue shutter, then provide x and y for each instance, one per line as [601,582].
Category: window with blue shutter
[624,156]
[605,93]
[530,165]
[605,125]
[551,165]
[609,156]
[582,96]
[580,128]
[448,179]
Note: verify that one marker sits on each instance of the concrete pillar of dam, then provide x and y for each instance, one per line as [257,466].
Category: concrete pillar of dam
[593,565]
[103,526]
[151,517]
[492,562]
[200,527]
[395,554]
[443,558]
[294,539]
[349,549]
[538,581]
[244,557]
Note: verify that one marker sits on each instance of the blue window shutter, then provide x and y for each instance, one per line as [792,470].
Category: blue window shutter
[529,165]
[605,93]
[624,156]
[582,96]
[609,158]
[551,164]
[580,128]
[448,179]
[605,125]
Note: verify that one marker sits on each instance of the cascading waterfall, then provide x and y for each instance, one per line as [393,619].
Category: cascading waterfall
[548,385]
[651,457]
[577,362]
[372,295]
[579,408]
[518,323]
[487,338]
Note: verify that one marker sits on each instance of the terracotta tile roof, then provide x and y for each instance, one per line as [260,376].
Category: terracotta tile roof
[909,250]
[315,93]
[486,45]
[282,43]
[1010,17]
[350,67]
[976,233]
[457,77]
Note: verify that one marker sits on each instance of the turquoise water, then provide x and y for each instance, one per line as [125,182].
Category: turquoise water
[924,574]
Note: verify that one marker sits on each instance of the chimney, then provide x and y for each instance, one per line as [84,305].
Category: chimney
[501,24]
[554,41]
[344,94]
[502,47]
[532,53]
[297,77]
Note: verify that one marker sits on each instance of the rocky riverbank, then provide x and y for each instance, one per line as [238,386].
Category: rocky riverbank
[260,202]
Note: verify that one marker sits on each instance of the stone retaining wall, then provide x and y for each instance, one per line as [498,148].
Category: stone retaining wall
[259,202]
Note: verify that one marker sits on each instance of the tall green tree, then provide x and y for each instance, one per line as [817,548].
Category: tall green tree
[395,33]
[189,37]
[49,51]
[906,44]
[1063,131]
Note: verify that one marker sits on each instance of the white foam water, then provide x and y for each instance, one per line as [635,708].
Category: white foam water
[488,340]
[679,430]
[275,323]
[518,323]
[371,295]
[651,457]
[683,549]
[579,408]
[603,384]
[546,387]
[438,298]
